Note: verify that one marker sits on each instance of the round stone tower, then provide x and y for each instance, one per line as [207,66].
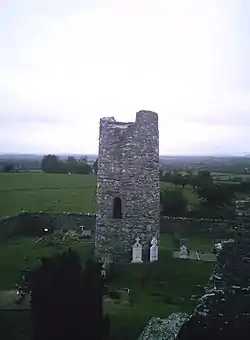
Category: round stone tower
[128,194]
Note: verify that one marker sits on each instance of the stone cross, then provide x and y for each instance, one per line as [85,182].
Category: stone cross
[183,252]
[137,252]
[137,241]
[154,250]
[82,227]
[154,241]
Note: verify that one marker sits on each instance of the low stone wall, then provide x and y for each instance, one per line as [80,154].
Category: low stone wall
[223,312]
[32,224]
[159,329]
[214,228]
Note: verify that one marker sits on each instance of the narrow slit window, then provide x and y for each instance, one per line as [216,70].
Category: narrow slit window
[117,208]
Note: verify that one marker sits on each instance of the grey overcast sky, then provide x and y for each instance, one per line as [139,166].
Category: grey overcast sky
[64,64]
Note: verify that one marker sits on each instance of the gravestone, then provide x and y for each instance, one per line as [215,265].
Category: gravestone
[82,228]
[154,250]
[137,252]
[86,233]
[184,242]
[183,252]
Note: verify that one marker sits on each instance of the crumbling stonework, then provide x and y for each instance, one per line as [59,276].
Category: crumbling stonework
[224,310]
[188,227]
[32,223]
[243,210]
[128,196]
[164,329]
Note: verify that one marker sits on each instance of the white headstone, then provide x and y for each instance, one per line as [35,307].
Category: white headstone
[86,233]
[82,228]
[137,252]
[154,250]
[183,252]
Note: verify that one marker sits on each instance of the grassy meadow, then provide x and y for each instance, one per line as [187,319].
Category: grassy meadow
[46,192]
[54,192]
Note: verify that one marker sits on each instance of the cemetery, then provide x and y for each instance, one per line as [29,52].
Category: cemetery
[151,287]
[156,285]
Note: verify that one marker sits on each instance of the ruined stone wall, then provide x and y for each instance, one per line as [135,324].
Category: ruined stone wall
[115,239]
[224,311]
[32,224]
[243,209]
[182,226]
[128,169]
[187,227]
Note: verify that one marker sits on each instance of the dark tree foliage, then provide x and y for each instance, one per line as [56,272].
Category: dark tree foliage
[52,164]
[167,177]
[93,288]
[203,179]
[216,194]
[95,166]
[67,302]
[173,203]
[8,167]
[72,164]
[83,168]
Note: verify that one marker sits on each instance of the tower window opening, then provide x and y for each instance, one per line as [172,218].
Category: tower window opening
[117,208]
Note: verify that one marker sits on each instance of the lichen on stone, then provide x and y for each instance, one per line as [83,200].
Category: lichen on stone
[164,329]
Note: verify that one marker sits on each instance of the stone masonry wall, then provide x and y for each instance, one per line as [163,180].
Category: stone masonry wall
[183,226]
[9,225]
[31,224]
[128,169]
[116,239]
[243,209]
[223,311]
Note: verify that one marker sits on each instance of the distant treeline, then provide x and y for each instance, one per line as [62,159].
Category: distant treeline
[215,200]
[50,164]
[195,179]
[229,165]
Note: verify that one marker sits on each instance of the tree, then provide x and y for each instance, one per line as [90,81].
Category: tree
[175,178]
[52,164]
[72,164]
[216,194]
[95,166]
[202,179]
[184,180]
[8,167]
[67,302]
[167,177]
[173,203]
[57,298]
[84,167]
[93,290]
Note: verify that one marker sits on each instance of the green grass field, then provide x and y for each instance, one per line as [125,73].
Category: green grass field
[168,285]
[46,192]
[54,192]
